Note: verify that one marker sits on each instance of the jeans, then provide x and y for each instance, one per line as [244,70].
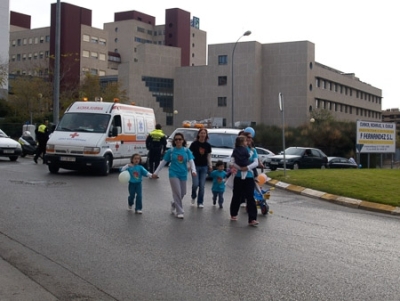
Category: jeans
[218,195]
[199,182]
[135,189]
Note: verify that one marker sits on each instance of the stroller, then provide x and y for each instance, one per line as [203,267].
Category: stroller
[261,196]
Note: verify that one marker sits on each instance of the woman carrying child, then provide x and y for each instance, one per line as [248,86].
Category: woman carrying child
[243,187]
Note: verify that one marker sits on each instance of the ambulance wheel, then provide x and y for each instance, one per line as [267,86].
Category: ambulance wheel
[53,168]
[106,168]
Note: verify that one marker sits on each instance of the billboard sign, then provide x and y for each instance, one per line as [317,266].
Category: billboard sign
[376,137]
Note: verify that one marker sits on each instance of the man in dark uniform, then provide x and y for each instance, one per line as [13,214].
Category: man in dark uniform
[42,135]
[156,144]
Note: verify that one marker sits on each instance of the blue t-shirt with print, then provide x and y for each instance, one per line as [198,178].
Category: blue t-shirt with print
[137,172]
[178,159]
[218,177]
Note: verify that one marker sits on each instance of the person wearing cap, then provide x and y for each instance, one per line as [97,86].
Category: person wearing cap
[156,144]
[243,189]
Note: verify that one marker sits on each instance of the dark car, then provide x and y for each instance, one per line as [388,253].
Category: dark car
[340,162]
[300,157]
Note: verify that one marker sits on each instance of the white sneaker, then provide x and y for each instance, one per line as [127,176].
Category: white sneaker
[138,211]
[201,206]
[193,201]
[243,205]
[180,216]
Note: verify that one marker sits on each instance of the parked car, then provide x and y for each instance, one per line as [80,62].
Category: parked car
[190,135]
[9,147]
[300,157]
[264,155]
[340,162]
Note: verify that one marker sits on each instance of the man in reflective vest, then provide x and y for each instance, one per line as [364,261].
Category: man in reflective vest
[42,135]
[156,144]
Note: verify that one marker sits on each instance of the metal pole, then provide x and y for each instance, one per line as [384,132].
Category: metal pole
[281,107]
[247,33]
[56,79]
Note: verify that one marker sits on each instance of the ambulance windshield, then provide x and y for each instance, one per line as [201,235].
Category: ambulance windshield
[84,122]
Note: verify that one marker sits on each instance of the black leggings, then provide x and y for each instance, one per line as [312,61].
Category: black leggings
[243,189]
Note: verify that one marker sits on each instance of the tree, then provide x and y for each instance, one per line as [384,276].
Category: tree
[90,88]
[32,98]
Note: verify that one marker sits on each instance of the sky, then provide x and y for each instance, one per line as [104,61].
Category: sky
[353,36]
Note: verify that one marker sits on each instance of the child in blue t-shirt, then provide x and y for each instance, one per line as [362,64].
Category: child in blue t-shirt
[136,172]
[218,186]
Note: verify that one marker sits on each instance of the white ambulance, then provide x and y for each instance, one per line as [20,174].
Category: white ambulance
[99,135]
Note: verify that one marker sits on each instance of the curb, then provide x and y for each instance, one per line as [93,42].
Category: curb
[340,200]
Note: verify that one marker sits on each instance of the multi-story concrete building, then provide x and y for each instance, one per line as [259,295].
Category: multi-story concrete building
[262,71]
[392,115]
[164,67]
[4,46]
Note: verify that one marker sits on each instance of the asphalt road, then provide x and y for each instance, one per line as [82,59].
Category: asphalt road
[73,235]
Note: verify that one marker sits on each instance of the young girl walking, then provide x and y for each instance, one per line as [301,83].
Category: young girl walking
[136,172]
[178,156]
[218,186]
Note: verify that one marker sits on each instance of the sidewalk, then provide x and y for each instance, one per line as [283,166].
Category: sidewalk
[344,201]
[15,286]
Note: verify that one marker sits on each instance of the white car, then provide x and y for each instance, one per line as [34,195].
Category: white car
[189,134]
[222,144]
[9,147]
[264,155]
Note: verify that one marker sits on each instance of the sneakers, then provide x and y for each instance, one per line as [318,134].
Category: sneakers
[193,201]
[138,211]
[220,206]
[253,223]
[35,159]
[234,218]
[201,206]
[214,203]
[129,207]
[179,216]
[243,205]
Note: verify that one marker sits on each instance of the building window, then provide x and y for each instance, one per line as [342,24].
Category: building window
[150,32]
[222,80]
[24,57]
[94,55]
[18,57]
[47,53]
[116,29]
[102,42]
[85,53]
[102,73]
[102,57]
[140,29]
[35,56]
[222,60]
[30,40]
[317,83]
[47,39]
[41,54]
[94,40]
[86,38]
[222,101]
[41,40]
[116,40]
[29,56]
[25,41]
[36,40]
[19,42]
[93,71]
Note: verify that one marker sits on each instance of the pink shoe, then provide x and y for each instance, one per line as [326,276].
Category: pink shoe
[234,218]
[253,223]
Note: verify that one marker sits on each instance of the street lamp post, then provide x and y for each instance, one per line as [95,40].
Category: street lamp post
[247,33]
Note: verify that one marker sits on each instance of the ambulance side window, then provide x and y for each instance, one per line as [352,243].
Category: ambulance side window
[116,126]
